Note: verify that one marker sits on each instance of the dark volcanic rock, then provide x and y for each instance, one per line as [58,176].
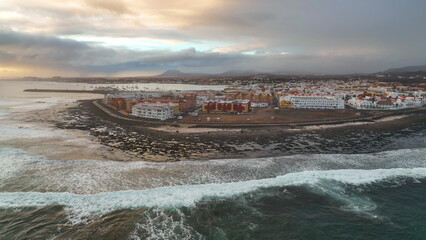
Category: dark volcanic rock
[148,144]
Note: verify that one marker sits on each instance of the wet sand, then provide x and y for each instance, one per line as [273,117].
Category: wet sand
[65,144]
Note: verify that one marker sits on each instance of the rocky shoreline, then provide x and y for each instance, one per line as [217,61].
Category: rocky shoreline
[143,142]
[364,116]
[137,140]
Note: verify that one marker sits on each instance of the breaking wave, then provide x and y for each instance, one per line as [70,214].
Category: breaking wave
[90,176]
[159,224]
[85,205]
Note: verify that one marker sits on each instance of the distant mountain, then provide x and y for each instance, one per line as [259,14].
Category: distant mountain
[230,73]
[177,73]
[293,73]
[421,68]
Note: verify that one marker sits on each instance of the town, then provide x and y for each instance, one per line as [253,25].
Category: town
[268,103]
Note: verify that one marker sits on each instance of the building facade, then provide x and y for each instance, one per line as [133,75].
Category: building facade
[361,103]
[161,111]
[385,104]
[227,106]
[307,102]
[259,104]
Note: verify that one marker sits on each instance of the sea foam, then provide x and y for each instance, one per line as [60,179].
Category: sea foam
[26,105]
[13,161]
[3,112]
[91,176]
[11,132]
[85,205]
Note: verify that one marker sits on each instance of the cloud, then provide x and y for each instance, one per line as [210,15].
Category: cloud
[95,36]
[82,58]
[40,50]
[116,6]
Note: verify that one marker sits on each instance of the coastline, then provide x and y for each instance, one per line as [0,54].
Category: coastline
[54,143]
[374,116]
[95,134]
[66,91]
[151,141]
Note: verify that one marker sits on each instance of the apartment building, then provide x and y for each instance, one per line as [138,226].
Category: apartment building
[308,102]
[161,111]
[227,106]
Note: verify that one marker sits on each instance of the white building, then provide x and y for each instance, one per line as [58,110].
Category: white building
[384,104]
[368,104]
[150,94]
[361,103]
[419,93]
[309,102]
[200,99]
[259,104]
[160,111]
[377,89]
[410,101]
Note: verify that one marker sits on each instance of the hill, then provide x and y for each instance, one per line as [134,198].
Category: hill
[177,73]
[421,68]
[231,73]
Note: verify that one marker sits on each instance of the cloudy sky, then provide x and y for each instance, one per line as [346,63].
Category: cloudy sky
[144,37]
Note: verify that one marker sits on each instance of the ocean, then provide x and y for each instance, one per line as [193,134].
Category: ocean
[47,191]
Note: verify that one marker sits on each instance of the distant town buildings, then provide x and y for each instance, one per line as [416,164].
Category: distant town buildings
[385,102]
[245,98]
[258,95]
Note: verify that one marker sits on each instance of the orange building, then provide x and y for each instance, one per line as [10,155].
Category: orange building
[117,102]
[227,106]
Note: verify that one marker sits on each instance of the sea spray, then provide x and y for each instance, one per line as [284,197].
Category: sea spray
[163,224]
[90,176]
[81,206]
